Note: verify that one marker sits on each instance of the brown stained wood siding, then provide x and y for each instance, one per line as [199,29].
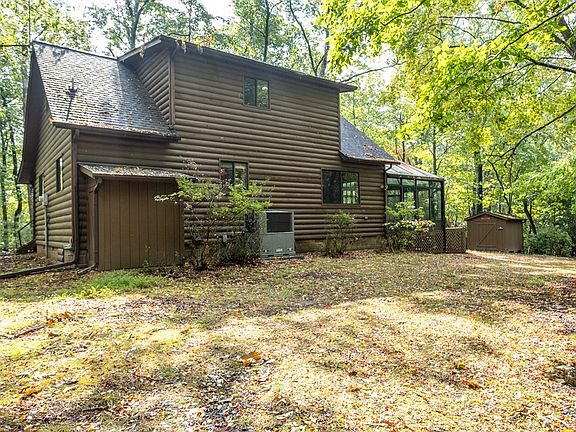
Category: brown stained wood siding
[134,229]
[286,146]
[53,143]
[154,72]
[83,216]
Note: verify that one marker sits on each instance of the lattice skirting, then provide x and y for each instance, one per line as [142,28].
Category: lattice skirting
[433,241]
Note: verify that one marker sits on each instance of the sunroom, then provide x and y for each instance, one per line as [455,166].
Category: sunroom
[406,183]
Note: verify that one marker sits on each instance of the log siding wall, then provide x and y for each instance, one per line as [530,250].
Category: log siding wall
[155,75]
[53,143]
[286,146]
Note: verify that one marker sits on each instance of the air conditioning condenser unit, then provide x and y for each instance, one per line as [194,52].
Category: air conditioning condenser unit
[276,233]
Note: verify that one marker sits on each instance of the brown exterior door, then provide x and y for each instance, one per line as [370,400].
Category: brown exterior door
[487,235]
[134,230]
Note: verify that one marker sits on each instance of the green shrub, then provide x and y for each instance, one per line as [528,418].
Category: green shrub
[404,221]
[242,210]
[240,248]
[112,283]
[213,206]
[339,238]
[550,241]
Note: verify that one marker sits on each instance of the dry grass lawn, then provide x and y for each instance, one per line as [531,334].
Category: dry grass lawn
[408,342]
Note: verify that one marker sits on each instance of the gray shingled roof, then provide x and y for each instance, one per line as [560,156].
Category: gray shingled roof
[356,146]
[405,170]
[108,94]
[110,170]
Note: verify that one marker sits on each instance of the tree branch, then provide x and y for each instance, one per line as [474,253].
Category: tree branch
[305,36]
[515,147]
[351,77]
[551,65]
[481,18]
[531,29]
[390,21]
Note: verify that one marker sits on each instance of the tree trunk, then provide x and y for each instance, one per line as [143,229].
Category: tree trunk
[479,183]
[528,213]
[434,152]
[17,189]
[403,151]
[313,65]
[3,197]
[266,31]
[325,58]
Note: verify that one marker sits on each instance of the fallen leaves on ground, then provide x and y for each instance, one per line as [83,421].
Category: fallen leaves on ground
[408,342]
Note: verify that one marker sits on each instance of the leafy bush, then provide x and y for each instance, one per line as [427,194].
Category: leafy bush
[550,241]
[244,205]
[112,283]
[339,238]
[240,248]
[215,206]
[404,221]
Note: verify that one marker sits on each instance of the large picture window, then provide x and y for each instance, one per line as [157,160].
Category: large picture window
[256,92]
[234,173]
[340,187]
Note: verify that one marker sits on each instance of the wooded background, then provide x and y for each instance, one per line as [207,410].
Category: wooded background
[479,92]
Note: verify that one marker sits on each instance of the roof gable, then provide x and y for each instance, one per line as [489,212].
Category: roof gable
[166,42]
[497,216]
[89,91]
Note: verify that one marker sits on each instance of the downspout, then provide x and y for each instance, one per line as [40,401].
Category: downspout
[75,225]
[32,209]
[95,237]
[45,204]
[386,168]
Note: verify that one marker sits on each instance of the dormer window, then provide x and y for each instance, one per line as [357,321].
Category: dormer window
[256,92]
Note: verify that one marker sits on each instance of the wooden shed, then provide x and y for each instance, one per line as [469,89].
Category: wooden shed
[495,232]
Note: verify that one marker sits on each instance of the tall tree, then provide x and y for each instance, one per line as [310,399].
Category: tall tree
[21,22]
[126,23]
[129,23]
[501,73]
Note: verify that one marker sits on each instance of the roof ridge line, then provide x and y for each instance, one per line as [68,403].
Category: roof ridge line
[40,42]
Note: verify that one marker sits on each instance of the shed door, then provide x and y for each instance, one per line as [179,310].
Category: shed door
[135,230]
[487,235]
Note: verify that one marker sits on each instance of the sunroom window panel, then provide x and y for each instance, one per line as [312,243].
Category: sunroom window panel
[408,195]
[424,202]
[435,203]
[393,197]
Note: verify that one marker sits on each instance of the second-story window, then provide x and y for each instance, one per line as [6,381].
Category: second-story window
[256,92]
[234,173]
[59,173]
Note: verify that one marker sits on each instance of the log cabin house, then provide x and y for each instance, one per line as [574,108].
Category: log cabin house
[103,136]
